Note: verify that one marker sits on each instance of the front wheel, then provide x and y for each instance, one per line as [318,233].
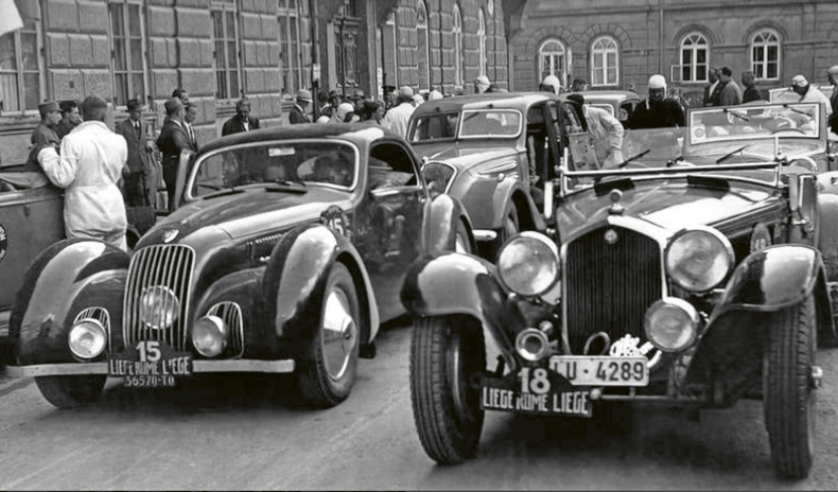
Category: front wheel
[445,353]
[71,391]
[327,370]
[789,382]
[510,227]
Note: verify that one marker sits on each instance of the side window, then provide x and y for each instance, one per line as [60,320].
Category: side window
[390,166]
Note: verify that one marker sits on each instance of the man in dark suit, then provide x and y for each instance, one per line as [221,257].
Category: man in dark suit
[298,112]
[242,121]
[189,117]
[171,142]
[140,177]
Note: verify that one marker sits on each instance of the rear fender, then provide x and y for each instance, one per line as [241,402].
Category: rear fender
[295,281]
[65,279]
[443,215]
[454,283]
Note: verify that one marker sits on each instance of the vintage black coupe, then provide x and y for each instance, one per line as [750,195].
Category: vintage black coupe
[665,281]
[485,150]
[286,252]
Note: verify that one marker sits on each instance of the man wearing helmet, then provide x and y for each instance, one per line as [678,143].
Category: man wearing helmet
[656,111]
[550,84]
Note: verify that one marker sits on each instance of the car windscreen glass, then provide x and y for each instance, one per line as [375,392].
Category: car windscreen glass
[490,123]
[749,122]
[326,163]
[433,127]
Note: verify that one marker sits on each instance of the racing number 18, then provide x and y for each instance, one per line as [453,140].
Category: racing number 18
[538,384]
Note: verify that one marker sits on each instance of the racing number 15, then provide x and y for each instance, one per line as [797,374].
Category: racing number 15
[149,351]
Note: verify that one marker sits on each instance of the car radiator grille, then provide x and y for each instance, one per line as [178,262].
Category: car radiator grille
[610,286]
[440,174]
[167,268]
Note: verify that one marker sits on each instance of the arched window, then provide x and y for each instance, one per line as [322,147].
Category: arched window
[457,31]
[552,60]
[481,40]
[423,47]
[695,57]
[605,62]
[765,55]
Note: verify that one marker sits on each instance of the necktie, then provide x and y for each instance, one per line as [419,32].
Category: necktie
[137,128]
[191,134]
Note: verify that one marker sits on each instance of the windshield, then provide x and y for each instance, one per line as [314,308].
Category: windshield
[490,123]
[434,127]
[754,121]
[323,162]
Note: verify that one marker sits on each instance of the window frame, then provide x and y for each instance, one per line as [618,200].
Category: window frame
[295,45]
[481,42]
[457,33]
[224,7]
[19,73]
[561,71]
[764,45]
[614,48]
[422,24]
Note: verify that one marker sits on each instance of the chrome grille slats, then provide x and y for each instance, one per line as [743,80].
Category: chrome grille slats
[609,287]
[441,173]
[169,266]
[231,314]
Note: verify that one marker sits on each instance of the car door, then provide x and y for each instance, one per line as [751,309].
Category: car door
[572,132]
[388,231]
[30,221]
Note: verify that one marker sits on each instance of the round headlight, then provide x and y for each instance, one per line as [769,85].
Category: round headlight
[528,264]
[87,338]
[209,336]
[699,259]
[159,307]
[671,324]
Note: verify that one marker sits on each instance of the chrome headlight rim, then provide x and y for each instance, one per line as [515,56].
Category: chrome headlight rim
[522,238]
[726,251]
[686,308]
[222,333]
[94,326]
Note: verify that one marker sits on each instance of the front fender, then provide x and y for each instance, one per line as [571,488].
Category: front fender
[455,283]
[443,215]
[828,236]
[295,280]
[66,278]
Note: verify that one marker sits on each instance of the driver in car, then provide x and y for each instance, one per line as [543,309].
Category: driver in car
[333,169]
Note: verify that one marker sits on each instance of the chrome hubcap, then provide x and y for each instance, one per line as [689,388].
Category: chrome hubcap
[340,334]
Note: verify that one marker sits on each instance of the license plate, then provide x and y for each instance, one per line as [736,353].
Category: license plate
[602,370]
[150,364]
[536,391]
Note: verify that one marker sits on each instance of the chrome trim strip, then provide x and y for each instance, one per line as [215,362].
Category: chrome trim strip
[198,366]
[484,234]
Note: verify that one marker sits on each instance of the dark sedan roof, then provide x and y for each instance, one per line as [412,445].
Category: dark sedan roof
[351,131]
[520,100]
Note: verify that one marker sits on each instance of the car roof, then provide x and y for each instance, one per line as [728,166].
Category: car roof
[592,96]
[520,100]
[355,132]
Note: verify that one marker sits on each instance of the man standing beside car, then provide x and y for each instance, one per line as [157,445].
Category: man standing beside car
[656,111]
[171,142]
[727,91]
[809,93]
[141,175]
[45,133]
[242,121]
[70,118]
[396,118]
[606,133]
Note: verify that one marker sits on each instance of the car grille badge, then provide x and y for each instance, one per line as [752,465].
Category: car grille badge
[611,237]
[170,235]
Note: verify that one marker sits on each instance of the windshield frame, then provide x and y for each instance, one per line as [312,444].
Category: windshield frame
[693,142]
[193,173]
[463,115]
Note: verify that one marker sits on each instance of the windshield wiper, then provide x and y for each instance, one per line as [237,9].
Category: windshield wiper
[729,155]
[674,161]
[798,111]
[738,115]
[634,158]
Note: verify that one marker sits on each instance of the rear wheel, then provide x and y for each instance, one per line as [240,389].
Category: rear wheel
[327,371]
[71,391]
[789,384]
[446,353]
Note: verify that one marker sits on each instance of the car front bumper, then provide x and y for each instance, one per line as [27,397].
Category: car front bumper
[198,366]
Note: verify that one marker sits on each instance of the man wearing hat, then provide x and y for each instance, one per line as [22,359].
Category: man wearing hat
[45,133]
[656,111]
[481,84]
[89,169]
[832,75]
[141,174]
[70,118]
[171,142]
[396,119]
[298,112]
[242,121]
[809,93]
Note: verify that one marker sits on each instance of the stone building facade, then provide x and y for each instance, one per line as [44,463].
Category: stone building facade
[221,50]
[620,43]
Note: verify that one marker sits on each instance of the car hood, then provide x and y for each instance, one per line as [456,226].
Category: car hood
[465,155]
[670,205]
[248,212]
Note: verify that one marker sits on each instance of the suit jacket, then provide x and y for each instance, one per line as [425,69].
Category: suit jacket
[234,125]
[171,142]
[193,142]
[42,134]
[297,116]
[138,159]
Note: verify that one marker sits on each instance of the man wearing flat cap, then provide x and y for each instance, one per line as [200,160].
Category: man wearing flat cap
[297,114]
[832,75]
[172,141]
[396,118]
[242,121]
[89,169]
[141,174]
[809,93]
[45,133]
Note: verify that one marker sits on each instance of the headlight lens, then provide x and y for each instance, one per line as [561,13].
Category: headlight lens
[87,338]
[159,307]
[699,259]
[671,324]
[528,264]
[209,336]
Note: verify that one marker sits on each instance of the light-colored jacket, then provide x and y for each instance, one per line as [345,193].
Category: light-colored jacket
[89,169]
[607,135]
[814,95]
[397,118]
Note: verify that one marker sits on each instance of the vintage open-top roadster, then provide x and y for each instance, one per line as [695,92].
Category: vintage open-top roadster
[665,281]
[286,252]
